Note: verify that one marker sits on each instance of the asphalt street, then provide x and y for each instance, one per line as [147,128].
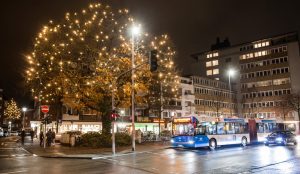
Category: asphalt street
[251,159]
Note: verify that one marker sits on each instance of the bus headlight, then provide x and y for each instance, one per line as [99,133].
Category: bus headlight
[191,142]
[298,138]
[172,141]
[279,139]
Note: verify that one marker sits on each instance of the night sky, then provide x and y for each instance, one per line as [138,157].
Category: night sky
[193,26]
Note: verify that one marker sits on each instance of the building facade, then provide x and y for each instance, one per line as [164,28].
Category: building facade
[266,73]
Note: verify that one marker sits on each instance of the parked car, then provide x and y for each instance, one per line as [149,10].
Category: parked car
[281,137]
[1,132]
[14,133]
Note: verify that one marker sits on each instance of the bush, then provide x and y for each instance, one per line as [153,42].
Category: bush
[95,139]
[122,139]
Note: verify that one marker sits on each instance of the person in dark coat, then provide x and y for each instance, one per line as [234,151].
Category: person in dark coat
[49,137]
[41,138]
[23,136]
[31,135]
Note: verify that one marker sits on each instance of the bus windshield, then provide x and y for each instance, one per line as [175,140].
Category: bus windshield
[184,129]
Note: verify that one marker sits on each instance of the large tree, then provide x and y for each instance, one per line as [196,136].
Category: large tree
[86,58]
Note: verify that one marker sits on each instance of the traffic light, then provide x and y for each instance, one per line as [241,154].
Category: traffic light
[114,114]
[153,60]
[47,120]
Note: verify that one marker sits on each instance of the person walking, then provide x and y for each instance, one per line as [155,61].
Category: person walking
[53,137]
[41,138]
[23,136]
[49,137]
[31,135]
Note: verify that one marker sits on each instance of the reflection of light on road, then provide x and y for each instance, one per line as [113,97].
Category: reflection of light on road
[273,154]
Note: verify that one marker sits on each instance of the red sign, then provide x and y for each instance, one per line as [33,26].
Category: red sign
[45,109]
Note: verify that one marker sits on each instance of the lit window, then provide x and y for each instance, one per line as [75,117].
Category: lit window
[217,78]
[208,64]
[215,54]
[209,72]
[216,71]
[215,62]
[267,43]
[255,45]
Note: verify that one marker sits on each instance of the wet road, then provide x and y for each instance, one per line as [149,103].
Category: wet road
[252,159]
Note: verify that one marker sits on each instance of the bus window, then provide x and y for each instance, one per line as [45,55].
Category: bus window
[260,127]
[200,130]
[221,128]
[211,129]
[290,127]
[230,128]
[183,129]
[238,128]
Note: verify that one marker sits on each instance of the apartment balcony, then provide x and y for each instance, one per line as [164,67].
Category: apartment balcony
[264,68]
[264,78]
[266,88]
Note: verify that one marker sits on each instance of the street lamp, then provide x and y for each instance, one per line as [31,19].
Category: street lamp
[24,109]
[135,30]
[231,72]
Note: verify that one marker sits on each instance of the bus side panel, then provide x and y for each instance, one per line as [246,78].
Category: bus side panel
[252,131]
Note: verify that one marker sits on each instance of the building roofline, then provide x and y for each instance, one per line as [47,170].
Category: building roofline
[195,55]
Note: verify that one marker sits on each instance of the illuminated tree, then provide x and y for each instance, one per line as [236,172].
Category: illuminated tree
[12,111]
[79,61]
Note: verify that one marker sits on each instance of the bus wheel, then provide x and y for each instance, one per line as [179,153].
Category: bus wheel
[244,141]
[212,144]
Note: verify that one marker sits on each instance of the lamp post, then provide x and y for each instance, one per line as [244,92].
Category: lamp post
[24,109]
[135,30]
[230,73]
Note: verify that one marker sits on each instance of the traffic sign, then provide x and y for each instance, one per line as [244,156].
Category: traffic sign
[45,109]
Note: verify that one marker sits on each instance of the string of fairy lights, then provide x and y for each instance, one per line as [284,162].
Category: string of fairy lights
[83,54]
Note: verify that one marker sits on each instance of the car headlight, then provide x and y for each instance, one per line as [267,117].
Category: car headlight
[172,141]
[191,142]
[279,139]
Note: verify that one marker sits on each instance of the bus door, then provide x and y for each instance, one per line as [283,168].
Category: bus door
[252,130]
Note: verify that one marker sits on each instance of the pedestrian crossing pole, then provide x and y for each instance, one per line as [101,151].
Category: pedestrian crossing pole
[45,115]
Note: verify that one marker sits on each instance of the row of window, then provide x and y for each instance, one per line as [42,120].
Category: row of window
[263,104]
[216,54]
[211,92]
[267,93]
[207,82]
[264,63]
[212,63]
[264,53]
[212,72]
[265,73]
[214,103]
[266,83]
[261,44]
[223,128]
[260,115]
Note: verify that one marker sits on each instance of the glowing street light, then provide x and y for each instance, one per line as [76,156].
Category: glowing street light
[135,31]
[231,72]
[24,109]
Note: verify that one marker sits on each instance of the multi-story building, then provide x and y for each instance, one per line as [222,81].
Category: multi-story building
[213,98]
[266,73]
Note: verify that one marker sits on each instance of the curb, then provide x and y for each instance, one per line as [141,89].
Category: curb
[65,157]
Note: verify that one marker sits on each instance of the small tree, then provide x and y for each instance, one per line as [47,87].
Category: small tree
[12,111]
[294,103]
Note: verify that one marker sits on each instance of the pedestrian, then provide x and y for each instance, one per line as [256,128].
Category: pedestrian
[41,138]
[49,137]
[31,135]
[23,136]
[53,137]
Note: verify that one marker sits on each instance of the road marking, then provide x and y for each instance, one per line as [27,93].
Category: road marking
[21,171]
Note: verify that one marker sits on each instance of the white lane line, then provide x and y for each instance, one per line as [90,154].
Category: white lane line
[21,171]
[118,155]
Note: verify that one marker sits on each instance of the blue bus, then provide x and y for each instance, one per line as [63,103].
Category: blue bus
[190,132]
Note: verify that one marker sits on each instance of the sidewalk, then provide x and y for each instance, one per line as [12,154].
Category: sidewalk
[60,151]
